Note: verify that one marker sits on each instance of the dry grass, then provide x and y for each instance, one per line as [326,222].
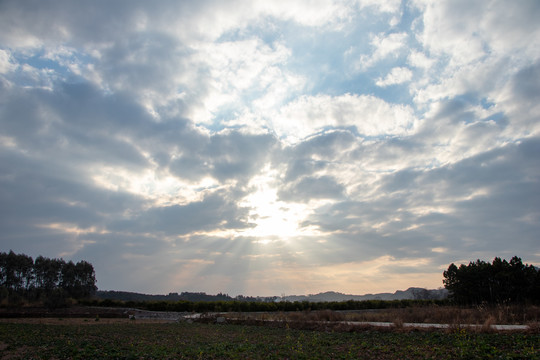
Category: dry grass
[398,323]
[487,325]
[454,315]
[482,316]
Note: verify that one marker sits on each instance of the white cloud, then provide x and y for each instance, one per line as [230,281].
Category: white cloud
[370,115]
[224,140]
[471,30]
[397,75]
[6,62]
[384,46]
[420,60]
[479,49]
[449,27]
[389,6]
[519,100]
[309,13]
[320,13]
[244,75]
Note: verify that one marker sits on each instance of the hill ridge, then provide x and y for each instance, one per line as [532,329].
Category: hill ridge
[412,293]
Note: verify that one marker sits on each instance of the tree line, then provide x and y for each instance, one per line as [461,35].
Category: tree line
[184,296]
[494,283]
[259,306]
[44,278]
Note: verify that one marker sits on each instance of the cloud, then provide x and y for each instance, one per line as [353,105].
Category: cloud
[307,188]
[75,117]
[519,100]
[225,156]
[455,28]
[369,115]
[397,75]
[420,60]
[478,48]
[213,213]
[260,147]
[241,76]
[385,46]
[6,62]
[445,206]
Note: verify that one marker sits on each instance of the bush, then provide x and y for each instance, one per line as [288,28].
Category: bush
[57,298]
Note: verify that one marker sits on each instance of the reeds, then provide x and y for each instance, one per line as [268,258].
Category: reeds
[481,317]
[501,314]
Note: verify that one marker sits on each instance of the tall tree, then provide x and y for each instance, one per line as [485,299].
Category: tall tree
[47,272]
[78,280]
[498,282]
[19,274]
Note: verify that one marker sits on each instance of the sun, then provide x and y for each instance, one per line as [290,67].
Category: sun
[275,219]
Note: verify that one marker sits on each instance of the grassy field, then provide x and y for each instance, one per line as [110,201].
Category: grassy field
[452,315]
[125,339]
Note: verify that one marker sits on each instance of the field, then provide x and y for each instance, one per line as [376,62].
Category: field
[480,316]
[140,339]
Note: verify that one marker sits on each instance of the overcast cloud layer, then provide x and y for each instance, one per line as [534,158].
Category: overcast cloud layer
[268,147]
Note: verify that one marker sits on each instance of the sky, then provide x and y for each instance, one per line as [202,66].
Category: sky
[263,147]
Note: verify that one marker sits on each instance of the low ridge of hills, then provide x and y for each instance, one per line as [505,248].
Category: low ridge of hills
[412,293]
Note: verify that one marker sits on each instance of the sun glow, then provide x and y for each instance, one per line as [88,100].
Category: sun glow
[275,220]
[162,189]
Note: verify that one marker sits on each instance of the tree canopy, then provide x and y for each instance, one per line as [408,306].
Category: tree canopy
[498,282]
[44,277]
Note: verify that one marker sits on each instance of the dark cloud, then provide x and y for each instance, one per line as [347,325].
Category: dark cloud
[238,155]
[34,191]
[224,156]
[457,109]
[75,123]
[44,206]
[301,167]
[116,143]
[68,21]
[214,212]
[314,154]
[308,188]
[526,83]
[403,180]
[59,135]
[326,145]
[145,64]
[476,204]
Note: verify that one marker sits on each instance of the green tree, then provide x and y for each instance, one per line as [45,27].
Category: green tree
[498,282]
[78,280]
[87,278]
[16,271]
[49,279]
[47,272]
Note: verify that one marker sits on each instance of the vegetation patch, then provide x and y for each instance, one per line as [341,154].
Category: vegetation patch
[139,340]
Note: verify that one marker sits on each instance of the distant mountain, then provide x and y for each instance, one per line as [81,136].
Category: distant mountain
[412,293]
[185,296]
